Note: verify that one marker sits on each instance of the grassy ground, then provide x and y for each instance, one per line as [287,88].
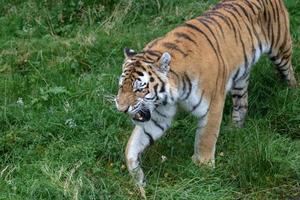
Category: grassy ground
[60,134]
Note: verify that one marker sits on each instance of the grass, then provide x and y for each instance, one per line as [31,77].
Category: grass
[62,138]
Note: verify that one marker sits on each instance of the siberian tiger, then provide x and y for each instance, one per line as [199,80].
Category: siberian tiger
[195,65]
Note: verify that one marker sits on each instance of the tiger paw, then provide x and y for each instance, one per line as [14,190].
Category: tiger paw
[238,124]
[293,83]
[142,192]
[138,177]
[209,162]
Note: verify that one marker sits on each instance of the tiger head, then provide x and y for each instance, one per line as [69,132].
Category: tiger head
[143,84]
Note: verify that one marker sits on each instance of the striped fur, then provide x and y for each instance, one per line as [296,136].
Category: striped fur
[195,65]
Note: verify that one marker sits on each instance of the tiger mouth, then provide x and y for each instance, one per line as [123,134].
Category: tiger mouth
[142,116]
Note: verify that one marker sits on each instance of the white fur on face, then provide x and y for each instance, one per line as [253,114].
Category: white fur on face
[142,83]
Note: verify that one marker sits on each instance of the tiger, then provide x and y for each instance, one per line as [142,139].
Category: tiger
[194,66]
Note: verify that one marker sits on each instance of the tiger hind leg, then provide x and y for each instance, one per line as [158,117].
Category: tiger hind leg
[283,63]
[239,93]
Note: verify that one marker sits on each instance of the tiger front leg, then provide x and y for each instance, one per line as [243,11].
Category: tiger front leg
[207,135]
[136,145]
[142,136]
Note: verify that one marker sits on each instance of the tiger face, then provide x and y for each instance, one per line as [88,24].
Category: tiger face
[142,85]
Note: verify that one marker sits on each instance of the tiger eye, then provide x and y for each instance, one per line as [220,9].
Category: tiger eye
[140,73]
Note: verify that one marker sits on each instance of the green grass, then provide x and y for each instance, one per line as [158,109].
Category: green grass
[62,138]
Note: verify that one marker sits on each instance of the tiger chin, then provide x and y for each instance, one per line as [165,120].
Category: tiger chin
[195,65]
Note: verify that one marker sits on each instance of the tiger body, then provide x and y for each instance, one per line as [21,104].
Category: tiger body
[196,65]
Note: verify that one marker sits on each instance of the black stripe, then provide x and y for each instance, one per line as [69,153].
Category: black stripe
[251,7]
[150,99]
[235,9]
[286,32]
[280,65]
[236,74]
[279,27]
[245,56]
[263,30]
[258,7]
[171,95]
[272,29]
[153,53]
[183,86]
[218,47]
[237,20]
[219,15]
[285,58]
[283,69]
[155,89]
[238,107]
[191,26]
[177,76]
[233,26]
[274,58]
[203,21]
[257,38]
[273,10]
[158,125]
[238,88]
[140,65]
[247,79]
[151,140]
[277,57]
[268,19]
[165,101]
[232,14]
[173,46]
[202,117]
[286,51]
[243,10]
[185,36]
[260,4]
[159,113]
[149,59]
[190,86]
[127,70]
[162,88]
[239,95]
[218,24]
[245,74]
[198,104]
[138,57]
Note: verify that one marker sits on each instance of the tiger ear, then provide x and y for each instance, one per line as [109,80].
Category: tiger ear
[129,52]
[164,63]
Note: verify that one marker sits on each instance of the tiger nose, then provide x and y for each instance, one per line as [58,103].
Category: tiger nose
[123,109]
[120,107]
